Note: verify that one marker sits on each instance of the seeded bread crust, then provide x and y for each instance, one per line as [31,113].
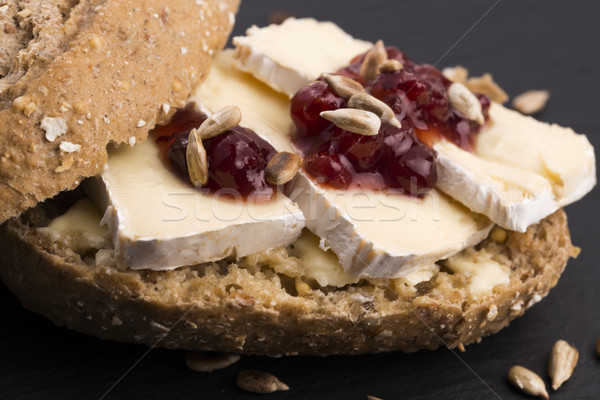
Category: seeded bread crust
[247,307]
[107,69]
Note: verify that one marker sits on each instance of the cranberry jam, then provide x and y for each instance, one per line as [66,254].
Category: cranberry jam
[396,158]
[236,158]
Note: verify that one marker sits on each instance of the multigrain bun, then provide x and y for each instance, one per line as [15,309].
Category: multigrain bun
[99,71]
[75,76]
[253,306]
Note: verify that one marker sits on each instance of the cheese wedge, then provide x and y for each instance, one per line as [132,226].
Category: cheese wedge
[521,171]
[377,235]
[157,222]
[289,56]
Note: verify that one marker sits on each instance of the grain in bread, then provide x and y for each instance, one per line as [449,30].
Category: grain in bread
[253,305]
[96,71]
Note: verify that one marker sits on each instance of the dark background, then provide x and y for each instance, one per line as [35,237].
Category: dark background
[526,45]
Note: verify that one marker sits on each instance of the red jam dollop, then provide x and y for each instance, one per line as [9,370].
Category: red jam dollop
[236,159]
[397,158]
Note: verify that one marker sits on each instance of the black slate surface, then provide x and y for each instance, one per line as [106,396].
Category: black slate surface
[526,44]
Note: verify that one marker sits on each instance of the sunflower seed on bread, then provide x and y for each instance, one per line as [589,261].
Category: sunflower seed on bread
[282,168]
[343,86]
[223,120]
[373,60]
[197,162]
[364,101]
[353,120]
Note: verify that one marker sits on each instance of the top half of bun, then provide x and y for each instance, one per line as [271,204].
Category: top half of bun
[87,73]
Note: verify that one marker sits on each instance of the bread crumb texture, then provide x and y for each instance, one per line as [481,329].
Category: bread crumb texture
[94,68]
[262,304]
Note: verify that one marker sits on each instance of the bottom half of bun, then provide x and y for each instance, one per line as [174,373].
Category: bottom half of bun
[254,305]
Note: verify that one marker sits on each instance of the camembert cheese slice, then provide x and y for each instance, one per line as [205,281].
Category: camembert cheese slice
[158,222]
[289,56]
[521,171]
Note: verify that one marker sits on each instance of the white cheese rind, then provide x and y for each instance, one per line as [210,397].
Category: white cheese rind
[386,235]
[521,171]
[290,55]
[157,222]
[511,197]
